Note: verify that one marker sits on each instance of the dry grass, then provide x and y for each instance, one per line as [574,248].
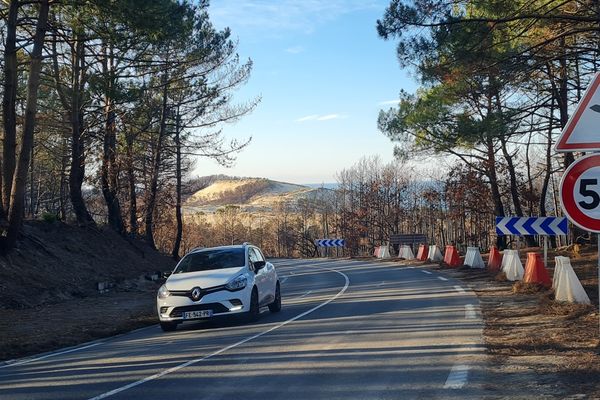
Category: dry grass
[527,288]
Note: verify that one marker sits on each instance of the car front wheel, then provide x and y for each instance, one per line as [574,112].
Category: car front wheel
[254,312]
[275,306]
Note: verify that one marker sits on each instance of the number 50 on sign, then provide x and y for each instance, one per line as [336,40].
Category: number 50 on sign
[580,192]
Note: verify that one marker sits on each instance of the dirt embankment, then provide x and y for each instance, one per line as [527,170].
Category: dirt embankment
[49,296]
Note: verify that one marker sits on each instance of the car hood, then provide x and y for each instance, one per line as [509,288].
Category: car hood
[203,279]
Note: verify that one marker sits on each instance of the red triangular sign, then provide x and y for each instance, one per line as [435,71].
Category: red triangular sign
[582,132]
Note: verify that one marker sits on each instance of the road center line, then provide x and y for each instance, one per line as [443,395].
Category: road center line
[426,272]
[304,295]
[459,289]
[458,377]
[231,346]
[441,278]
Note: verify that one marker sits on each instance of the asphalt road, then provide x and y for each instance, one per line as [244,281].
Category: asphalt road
[348,330]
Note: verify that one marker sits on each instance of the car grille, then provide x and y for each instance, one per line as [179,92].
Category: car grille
[217,308]
[188,293]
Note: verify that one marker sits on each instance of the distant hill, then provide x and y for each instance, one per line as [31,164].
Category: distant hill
[251,194]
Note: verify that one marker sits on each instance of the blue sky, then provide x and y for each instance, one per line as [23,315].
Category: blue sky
[323,75]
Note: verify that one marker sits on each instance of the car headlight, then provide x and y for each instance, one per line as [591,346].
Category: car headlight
[163,292]
[237,283]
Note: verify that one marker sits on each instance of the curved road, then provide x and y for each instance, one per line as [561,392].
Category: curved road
[348,330]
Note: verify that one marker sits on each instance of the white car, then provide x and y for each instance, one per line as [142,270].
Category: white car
[218,281]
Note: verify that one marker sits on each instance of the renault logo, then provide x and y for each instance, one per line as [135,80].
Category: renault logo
[196,293]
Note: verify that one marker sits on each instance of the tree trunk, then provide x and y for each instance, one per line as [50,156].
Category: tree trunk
[17,198]
[108,171]
[133,225]
[178,216]
[77,172]
[152,193]
[492,176]
[9,99]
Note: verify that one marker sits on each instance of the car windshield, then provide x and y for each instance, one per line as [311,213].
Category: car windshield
[206,260]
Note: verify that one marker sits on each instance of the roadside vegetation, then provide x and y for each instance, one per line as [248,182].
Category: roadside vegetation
[104,103]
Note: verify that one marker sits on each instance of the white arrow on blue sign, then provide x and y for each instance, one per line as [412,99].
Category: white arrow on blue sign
[330,242]
[549,226]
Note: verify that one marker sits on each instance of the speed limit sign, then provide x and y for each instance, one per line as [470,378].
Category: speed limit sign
[580,193]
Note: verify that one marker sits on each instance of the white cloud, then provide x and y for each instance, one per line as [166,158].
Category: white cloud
[389,102]
[295,50]
[308,118]
[330,116]
[284,15]
[318,117]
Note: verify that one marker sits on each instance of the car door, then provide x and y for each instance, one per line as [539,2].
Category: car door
[261,278]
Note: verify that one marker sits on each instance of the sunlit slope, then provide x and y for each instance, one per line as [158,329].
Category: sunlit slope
[251,194]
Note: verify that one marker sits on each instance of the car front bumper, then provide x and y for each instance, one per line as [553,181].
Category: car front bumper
[221,303]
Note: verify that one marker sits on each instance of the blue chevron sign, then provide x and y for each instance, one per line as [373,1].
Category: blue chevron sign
[330,242]
[549,226]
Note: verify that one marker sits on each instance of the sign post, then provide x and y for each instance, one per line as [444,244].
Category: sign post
[542,226]
[579,190]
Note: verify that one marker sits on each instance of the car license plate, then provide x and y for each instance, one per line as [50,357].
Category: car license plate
[197,314]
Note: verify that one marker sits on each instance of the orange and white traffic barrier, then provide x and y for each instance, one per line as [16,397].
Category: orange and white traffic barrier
[511,265]
[566,284]
[451,257]
[434,254]
[423,252]
[384,252]
[473,258]
[406,252]
[495,260]
[535,270]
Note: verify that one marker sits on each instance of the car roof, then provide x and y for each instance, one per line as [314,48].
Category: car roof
[230,247]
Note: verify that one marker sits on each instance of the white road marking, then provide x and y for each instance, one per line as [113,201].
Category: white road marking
[410,268]
[224,349]
[458,377]
[304,295]
[381,284]
[459,289]
[29,360]
[470,311]
[426,272]
[285,278]
[441,278]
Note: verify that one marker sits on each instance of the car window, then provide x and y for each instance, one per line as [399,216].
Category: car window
[211,259]
[259,255]
[253,256]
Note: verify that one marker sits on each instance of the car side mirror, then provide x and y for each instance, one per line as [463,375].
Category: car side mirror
[259,264]
[166,274]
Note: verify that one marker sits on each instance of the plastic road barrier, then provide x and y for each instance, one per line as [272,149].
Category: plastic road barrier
[566,284]
[384,252]
[495,260]
[435,254]
[376,252]
[451,257]
[473,258]
[406,252]
[535,270]
[422,253]
[511,265]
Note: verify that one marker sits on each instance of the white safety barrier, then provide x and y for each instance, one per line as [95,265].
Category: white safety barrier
[384,252]
[435,254]
[566,284]
[473,258]
[406,252]
[511,265]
